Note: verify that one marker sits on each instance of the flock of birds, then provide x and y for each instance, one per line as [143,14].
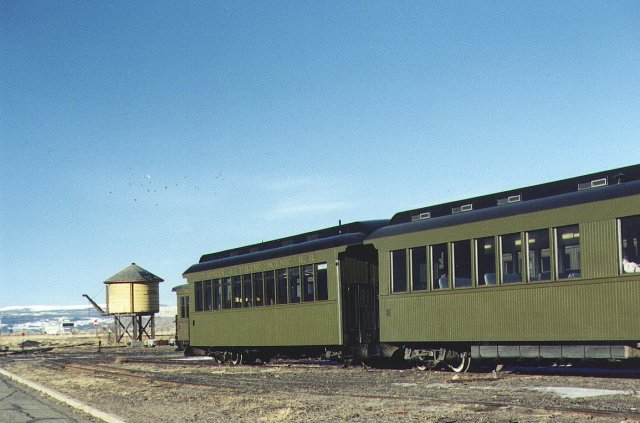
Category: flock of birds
[142,187]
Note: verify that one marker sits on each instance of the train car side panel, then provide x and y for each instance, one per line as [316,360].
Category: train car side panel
[286,325]
[593,302]
[306,323]
[569,311]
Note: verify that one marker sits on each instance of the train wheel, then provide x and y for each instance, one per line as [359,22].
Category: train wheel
[236,359]
[461,364]
[422,365]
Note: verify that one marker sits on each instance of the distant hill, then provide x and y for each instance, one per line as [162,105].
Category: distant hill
[43,318]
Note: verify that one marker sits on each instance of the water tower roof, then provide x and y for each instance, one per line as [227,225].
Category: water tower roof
[134,273]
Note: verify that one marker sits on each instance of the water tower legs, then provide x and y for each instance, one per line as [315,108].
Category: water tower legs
[135,327]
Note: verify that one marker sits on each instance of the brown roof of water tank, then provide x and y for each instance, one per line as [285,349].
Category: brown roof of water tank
[134,273]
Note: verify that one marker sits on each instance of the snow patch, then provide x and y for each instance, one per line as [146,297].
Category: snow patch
[572,393]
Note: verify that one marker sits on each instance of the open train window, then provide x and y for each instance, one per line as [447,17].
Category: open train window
[461,264]
[322,285]
[439,266]
[247,291]
[568,252]
[630,244]
[399,270]
[418,268]
[538,256]
[308,282]
[270,287]
[511,259]
[258,289]
[486,259]
[295,291]
[281,286]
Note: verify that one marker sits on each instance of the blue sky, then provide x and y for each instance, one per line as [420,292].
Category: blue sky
[156,132]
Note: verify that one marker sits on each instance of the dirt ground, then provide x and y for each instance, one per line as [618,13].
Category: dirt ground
[167,388]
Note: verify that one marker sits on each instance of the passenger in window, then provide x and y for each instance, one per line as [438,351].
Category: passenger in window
[630,244]
[630,267]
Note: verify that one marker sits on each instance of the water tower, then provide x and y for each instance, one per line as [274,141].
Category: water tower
[133,298]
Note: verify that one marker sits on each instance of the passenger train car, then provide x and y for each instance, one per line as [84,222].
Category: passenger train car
[282,296]
[182,316]
[544,272]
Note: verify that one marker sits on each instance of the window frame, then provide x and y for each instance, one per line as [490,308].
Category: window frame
[453,260]
[447,267]
[293,275]
[282,289]
[496,262]
[411,281]
[324,266]
[247,301]
[392,268]
[621,252]
[305,283]
[503,281]
[556,253]
[527,255]
[258,301]
[198,299]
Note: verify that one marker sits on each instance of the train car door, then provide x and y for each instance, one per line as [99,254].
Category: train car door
[359,285]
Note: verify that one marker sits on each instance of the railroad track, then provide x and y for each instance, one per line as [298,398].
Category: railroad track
[239,381]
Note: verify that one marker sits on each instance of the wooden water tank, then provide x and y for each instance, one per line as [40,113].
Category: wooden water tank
[133,290]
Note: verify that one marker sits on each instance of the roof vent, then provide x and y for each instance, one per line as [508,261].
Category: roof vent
[510,199]
[596,183]
[421,216]
[462,209]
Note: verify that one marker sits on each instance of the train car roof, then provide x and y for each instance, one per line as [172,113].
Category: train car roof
[549,189]
[335,236]
[547,203]
[179,287]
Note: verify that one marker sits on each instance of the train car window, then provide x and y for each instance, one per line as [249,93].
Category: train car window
[270,287]
[439,266]
[418,268]
[511,246]
[630,244]
[295,288]
[568,252]
[308,282]
[399,270]
[236,286]
[217,295]
[462,264]
[258,290]
[486,259]
[321,281]
[183,302]
[247,291]
[198,295]
[281,286]
[226,292]
[538,256]
[208,296]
